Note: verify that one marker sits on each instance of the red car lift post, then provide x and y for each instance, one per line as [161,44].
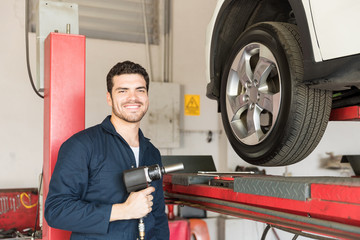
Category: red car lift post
[64,104]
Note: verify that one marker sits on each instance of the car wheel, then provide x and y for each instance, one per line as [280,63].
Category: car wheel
[270,116]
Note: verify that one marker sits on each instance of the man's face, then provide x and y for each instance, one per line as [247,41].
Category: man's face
[129,100]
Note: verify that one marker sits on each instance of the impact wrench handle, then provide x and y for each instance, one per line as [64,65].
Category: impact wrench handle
[136,179]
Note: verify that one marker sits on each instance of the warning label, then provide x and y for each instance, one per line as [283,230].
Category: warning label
[192,105]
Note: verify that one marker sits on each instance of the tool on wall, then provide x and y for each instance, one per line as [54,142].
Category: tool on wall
[14,202]
[136,179]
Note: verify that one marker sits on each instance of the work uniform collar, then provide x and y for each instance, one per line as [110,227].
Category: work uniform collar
[110,128]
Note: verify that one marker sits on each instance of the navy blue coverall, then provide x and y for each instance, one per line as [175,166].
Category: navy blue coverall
[87,180]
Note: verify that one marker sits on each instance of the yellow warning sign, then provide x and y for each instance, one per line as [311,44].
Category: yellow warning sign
[192,105]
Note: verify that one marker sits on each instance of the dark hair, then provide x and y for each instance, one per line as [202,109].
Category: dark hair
[126,67]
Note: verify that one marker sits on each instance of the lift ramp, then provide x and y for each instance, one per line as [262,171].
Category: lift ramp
[328,206]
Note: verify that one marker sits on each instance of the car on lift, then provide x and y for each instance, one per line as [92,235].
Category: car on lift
[274,66]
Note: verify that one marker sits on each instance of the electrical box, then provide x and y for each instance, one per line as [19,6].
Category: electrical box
[162,121]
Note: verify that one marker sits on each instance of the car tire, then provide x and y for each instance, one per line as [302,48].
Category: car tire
[270,116]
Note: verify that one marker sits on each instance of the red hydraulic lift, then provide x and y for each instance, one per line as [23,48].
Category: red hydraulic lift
[322,205]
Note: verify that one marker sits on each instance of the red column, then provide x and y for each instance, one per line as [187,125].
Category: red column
[64,104]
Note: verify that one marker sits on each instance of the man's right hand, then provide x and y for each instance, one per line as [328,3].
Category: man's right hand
[138,205]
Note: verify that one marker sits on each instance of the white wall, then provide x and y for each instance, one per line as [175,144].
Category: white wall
[190,19]
[21,121]
[340,138]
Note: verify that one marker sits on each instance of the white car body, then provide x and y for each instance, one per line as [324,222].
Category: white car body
[333,35]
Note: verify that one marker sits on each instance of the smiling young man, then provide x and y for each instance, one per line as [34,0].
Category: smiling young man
[86,194]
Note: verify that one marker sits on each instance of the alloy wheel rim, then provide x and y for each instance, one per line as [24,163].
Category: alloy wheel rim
[253,94]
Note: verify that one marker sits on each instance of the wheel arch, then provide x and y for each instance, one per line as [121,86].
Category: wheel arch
[233,18]
[236,15]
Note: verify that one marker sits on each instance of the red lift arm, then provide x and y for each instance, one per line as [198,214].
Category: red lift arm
[324,205]
[351,113]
